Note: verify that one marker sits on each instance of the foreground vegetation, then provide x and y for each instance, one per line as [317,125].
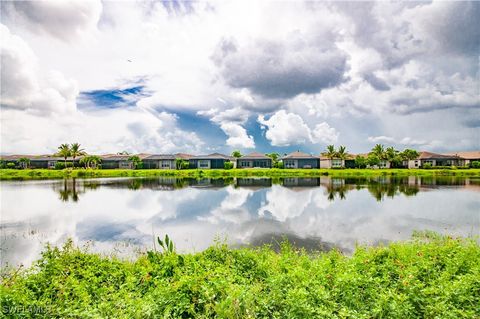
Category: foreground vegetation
[26,174]
[431,276]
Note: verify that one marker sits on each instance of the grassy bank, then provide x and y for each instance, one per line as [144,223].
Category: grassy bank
[26,174]
[428,277]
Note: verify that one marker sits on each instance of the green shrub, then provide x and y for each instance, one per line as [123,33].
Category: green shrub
[10,165]
[61,165]
[279,165]
[431,276]
[475,164]
[427,166]
[228,165]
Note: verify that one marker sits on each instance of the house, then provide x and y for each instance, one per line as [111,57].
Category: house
[469,157]
[112,161]
[300,160]
[433,159]
[301,182]
[348,162]
[254,160]
[39,161]
[162,161]
[211,161]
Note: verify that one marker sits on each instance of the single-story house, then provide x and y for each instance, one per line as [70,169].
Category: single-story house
[254,160]
[469,157]
[162,161]
[211,161]
[300,160]
[112,161]
[434,159]
[39,161]
[348,162]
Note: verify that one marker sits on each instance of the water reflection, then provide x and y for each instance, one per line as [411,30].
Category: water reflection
[124,214]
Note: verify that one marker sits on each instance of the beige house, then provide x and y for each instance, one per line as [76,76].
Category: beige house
[434,159]
[469,157]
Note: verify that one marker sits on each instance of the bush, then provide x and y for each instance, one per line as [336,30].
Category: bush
[61,165]
[427,166]
[10,165]
[228,165]
[279,165]
[475,164]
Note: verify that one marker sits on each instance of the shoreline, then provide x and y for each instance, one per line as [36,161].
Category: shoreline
[34,174]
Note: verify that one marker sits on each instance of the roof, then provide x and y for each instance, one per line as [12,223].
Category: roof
[299,155]
[429,155]
[160,157]
[183,156]
[118,157]
[213,156]
[348,157]
[38,157]
[472,155]
[255,155]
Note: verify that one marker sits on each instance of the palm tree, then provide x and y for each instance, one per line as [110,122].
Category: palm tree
[379,151]
[136,161]
[236,154]
[274,156]
[75,151]
[330,153]
[342,153]
[409,155]
[64,151]
[93,160]
[24,161]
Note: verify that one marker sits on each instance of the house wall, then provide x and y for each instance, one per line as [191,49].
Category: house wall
[246,163]
[325,163]
[308,163]
[210,163]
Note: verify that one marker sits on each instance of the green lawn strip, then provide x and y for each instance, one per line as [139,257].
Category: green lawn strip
[430,276]
[27,174]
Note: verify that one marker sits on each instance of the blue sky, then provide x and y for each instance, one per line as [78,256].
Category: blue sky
[199,77]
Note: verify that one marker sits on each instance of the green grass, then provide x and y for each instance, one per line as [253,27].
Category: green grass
[430,276]
[14,174]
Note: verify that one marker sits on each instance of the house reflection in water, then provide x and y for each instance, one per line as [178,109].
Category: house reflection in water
[254,182]
[301,182]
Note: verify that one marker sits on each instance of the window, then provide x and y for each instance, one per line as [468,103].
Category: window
[245,163]
[165,164]
[289,163]
[204,164]
[336,163]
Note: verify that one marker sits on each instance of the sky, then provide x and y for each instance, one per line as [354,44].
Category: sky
[269,76]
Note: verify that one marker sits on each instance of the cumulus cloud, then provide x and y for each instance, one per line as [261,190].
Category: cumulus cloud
[62,19]
[231,121]
[25,86]
[285,129]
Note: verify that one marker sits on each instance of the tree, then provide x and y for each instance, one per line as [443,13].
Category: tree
[181,163]
[236,154]
[274,157]
[89,160]
[136,161]
[64,151]
[342,153]
[379,151]
[392,155]
[330,153]
[373,160]
[409,154]
[360,162]
[75,151]
[24,161]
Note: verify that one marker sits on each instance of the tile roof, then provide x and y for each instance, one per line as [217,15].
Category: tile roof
[299,155]
[467,155]
[183,156]
[430,155]
[255,155]
[213,156]
[160,157]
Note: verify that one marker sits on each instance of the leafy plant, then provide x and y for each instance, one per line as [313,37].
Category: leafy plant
[64,151]
[228,165]
[167,245]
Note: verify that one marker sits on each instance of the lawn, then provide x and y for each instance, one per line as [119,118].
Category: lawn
[26,174]
[429,276]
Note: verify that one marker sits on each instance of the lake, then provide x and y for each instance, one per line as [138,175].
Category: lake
[121,216]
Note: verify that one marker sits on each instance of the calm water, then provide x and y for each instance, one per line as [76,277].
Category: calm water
[121,215]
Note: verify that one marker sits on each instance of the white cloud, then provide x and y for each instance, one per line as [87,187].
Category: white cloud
[231,121]
[64,19]
[25,86]
[285,129]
